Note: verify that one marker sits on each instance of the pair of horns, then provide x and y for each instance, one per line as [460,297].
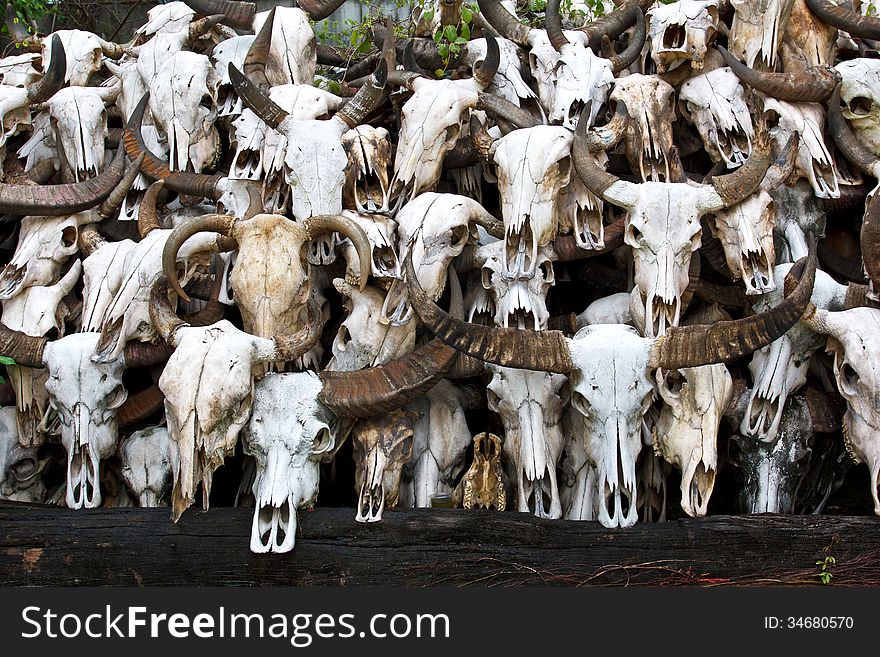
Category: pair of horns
[240,15]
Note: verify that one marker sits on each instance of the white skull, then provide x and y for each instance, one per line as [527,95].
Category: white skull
[248,137]
[15,115]
[183,101]
[686,435]
[230,51]
[83,52]
[440,439]
[287,435]
[613,309]
[814,161]
[292,55]
[362,340]
[146,466]
[382,233]
[682,31]
[582,211]
[20,467]
[746,233]
[611,390]
[757,29]
[519,301]
[369,157]
[18,70]
[859,91]
[508,82]
[533,167]
[103,271]
[780,369]
[85,396]
[715,104]
[80,123]
[649,104]
[36,310]
[44,246]
[531,408]
[168,17]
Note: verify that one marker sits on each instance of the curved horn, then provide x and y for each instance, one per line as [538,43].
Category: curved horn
[15,25]
[162,315]
[139,406]
[148,216]
[328,223]
[870,242]
[238,15]
[144,354]
[544,351]
[182,182]
[693,346]
[217,223]
[612,25]
[595,178]
[553,25]
[486,68]
[503,109]
[814,85]
[117,196]
[24,349]
[255,100]
[291,347]
[366,99]
[634,49]
[318,10]
[503,21]
[845,139]
[111,50]
[482,140]
[60,200]
[254,66]
[203,25]
[53,77]
[865,27]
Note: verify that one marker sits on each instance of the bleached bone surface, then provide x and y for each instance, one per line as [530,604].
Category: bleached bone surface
[649,104]
[860,93]
[80,127]
[20,467]
[146,466]
[682,32]
[757,30]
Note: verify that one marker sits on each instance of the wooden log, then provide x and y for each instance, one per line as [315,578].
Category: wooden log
[49,546]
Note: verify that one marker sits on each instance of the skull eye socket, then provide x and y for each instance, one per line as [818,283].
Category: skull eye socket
[25,468]
[117,397]
[322,442]
[635,235]
[861,106]
[849,378]
[735,451]
[459,236]
[580,403]
[68,236]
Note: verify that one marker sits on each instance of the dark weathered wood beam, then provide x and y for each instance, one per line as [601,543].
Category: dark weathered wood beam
[48,546]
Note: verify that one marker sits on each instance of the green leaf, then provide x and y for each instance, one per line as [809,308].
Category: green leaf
[466,32]
[460,40]
[466,15]
[428,14]
[438,36]
[439,72]
[6,360]
[450,33]
[443,50]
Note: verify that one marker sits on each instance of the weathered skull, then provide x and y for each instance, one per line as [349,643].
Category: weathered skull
[18,70]
[860,93]
[682,31]
[814,161]
[440,439]
[83,52]
[382,446]
[534,166]
[232,50]
[715,104]
[103,271]
[167,17]
[80,123]
[430,126]
[508,82]
[146,466]
[366,179]
[757,29]
[248,137]
[183,100]
[287,434]
[613,309]
[649,104]
[582,211]
[85,396]
[15,115]
[292,55]
[518,300]
[362,340]
[20,468]
[36,310]
[686,435]
[746,233]
[484,481]
[44,246]
[531,411]
[569,79]
[780,369]
[381,231]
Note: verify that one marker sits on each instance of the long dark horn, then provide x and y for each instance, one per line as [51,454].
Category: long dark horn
[693,346]
[254,66]
[53,76]
[139,406]
[366,99]
[544,351]
[217,223]
[22,348]
[117,196]
[15,26]
[503,21]
[612,25]
[864,27]
[845,139]
[634,49]
[182,182]
[814,85]
[148,215]
[328,223]
[594,177]
[238,15]
[144,354]
[60,200]
[318,10]
[485,69]
[255,100]
[553,25]
[870,242]
[504,109]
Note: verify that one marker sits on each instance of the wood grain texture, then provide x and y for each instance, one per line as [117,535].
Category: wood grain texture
[140,547]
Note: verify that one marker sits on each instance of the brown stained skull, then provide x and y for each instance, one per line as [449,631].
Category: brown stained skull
[649,104]
[366,177]
[484,481]
[382,446]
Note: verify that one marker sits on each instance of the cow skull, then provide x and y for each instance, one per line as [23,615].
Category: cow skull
[80,124]
[682,31]
[860,95]
[757,29]
[20,467]
[232,50]
[366,179]
[146,466]
[484,481]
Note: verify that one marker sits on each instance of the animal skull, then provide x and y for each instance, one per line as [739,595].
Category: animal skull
[859,93]
[366,179]
[757,29]
[682,31]
[80,124]
[146,466]
[232,50]
[20,467]
[484,481]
